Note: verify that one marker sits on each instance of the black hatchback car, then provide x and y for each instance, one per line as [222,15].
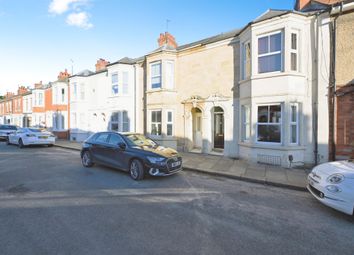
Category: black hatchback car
[130,152]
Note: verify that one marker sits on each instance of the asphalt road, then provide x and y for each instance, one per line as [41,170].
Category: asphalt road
[50,204]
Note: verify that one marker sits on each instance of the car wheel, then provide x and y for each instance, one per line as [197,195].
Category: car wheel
[136,170]
[87,159]
[20,144]
[50,145]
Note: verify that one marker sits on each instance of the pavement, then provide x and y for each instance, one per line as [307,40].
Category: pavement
[233,168]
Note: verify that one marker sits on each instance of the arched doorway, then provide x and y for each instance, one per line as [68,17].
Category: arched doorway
[218,127]
[197,128]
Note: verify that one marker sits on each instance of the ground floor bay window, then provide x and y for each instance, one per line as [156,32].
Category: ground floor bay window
[269,123]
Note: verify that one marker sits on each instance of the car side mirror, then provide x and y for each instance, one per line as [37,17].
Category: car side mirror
[122,146]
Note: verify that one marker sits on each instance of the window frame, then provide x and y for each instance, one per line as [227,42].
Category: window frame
[280,123]
[292,123]
[155,76]
[169,123]
[118,122]
[244,60]
[125,83]
[114,84]
[156,123]
[281,52]
[246,123]
[294,51]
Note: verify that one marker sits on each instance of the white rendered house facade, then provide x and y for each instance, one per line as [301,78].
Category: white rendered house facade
[280,92]
[105,100]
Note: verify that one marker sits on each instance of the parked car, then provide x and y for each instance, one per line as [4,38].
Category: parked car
[5,130]
[31,136]
[333,185]
[130,152]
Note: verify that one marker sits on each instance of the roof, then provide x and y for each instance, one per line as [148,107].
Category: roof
[127,61]
[83,73]
[269,14]
[211,39]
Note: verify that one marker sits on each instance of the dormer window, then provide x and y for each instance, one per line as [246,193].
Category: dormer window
[156,75]
[270,53]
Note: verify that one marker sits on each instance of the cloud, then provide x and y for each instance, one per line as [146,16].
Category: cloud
[60,6]
[80,19]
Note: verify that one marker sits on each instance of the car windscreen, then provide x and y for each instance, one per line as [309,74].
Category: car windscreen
[140,140]
[8,127]
[36,130]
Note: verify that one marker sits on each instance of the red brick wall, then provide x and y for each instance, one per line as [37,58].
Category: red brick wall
[345,122]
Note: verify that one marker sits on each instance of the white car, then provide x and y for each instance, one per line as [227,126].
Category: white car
[333,185]
[31,136]
[5,130]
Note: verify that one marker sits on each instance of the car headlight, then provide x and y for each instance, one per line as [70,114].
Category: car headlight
[156,160]
[335,178]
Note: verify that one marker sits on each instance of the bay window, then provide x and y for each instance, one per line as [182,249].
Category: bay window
[269,123]
[270,53]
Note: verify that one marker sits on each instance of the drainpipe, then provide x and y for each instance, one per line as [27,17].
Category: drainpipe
[315,97]
[135,110]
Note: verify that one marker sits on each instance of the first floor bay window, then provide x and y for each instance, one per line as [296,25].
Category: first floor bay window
[120,121]
[246,122]
[156,122]
[294,124]
[269,123]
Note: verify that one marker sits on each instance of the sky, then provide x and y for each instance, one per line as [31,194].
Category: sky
[40,38]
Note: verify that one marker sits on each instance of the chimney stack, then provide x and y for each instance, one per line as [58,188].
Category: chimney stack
[38,85]
[167,39]
[9,94]
[21,90]
[101,64]
[63,76]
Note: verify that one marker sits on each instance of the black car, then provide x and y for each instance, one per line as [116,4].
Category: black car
[6,130]
[130,152]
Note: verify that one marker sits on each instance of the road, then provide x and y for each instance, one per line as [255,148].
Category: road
[50,204]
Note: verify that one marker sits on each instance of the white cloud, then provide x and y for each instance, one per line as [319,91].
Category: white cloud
[60,6]
[80,19]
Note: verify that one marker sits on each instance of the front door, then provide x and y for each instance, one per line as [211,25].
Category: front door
[218,128]
[197,129]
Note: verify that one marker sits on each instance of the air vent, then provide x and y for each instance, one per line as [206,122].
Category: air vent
[269,159]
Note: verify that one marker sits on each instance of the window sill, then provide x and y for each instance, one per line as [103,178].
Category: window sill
[276,74]
[160,90]
[272,146]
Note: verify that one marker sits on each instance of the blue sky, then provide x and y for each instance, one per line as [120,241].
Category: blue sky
[39,38]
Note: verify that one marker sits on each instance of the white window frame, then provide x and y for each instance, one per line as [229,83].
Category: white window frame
[124,121]
[281,32]
[294,123]
[118,121]
[244,60]
[74,91]
[82,92]
[62,95]
[40,98]
[246,123]
[155,123]
[125,83]
[156,76]
[294,51]
[169,122]
[169,78]
[114,84]
[73,120]
[270,123]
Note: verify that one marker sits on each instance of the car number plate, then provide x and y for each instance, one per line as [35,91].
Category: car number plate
[174,164]
[43,137]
